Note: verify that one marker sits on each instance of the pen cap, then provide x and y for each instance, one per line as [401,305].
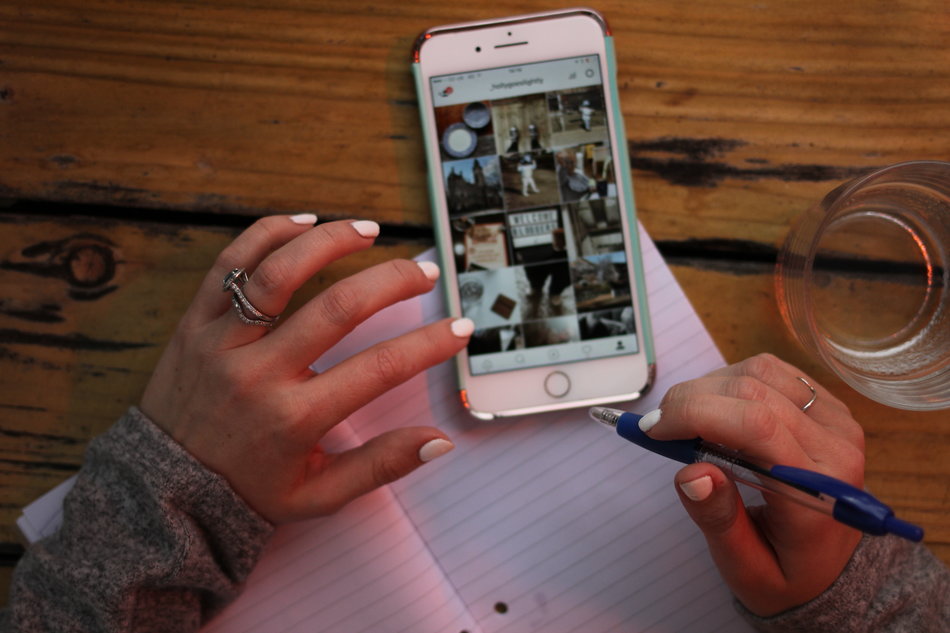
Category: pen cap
[628,427]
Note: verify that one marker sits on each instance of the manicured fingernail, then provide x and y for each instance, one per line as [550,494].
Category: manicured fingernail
[366,228]
[434,448]
[463,327]
[698,489]
[649,420]
[431,270]
[304,218]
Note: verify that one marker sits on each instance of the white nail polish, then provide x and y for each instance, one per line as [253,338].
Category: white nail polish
[304,218]
[434,448]
[463,327]
[698,489]
[431,270]
[366,228]
[649,420]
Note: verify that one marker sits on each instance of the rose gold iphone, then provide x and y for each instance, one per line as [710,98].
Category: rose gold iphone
[533,210]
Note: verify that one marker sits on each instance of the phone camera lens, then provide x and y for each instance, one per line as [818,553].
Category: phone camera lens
[478,49]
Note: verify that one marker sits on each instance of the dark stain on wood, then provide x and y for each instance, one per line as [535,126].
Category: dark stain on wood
[47,437]
[692,166]
[63,160]
[85,261]
[745,257]
[66,341]
[79,191]
[691,148]
[737,257]
[26,464]
[44,314]
[23,407]
[10,553]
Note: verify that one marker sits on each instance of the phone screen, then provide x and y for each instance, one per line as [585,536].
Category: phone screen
[536,223]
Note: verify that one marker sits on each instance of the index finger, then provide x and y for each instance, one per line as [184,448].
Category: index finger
[787,380]
[757,428]
[826,410]
[347,386]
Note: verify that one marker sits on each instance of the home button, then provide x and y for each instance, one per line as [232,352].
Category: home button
[557,384]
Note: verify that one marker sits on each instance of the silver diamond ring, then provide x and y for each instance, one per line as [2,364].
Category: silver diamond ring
[245,310]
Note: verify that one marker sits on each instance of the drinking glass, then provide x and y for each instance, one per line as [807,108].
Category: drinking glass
[862,282]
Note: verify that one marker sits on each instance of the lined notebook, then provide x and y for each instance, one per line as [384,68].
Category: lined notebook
[545,523]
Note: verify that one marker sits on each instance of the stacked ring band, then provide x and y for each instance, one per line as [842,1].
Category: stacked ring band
[245,310]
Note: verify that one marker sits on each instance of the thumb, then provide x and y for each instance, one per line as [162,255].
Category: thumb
[710,499]
[745,559]
[383,459]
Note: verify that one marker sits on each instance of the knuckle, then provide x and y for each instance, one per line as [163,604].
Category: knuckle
[385,471]
[857,437]
[763,366]
[748,388]
[405,271]
[326,236]
[689,410]
[676,393]
[758,423]
[717,518]
[339,304]
[272,276]
[388,364]
[227,259]
[233,379]
[852,461]
[853,433]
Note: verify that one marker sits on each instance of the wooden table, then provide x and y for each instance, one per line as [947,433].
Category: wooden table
[137,138]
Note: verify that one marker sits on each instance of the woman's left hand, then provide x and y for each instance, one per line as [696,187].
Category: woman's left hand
[242,399]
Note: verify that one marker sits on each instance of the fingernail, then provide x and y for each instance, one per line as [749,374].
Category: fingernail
[649,420]
[434,448]
[463,327]
[366,228]
[431,270]
[304,218]
[698,489]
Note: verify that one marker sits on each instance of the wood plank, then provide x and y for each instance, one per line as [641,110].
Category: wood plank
[86,306]
[75,355]
[739,115]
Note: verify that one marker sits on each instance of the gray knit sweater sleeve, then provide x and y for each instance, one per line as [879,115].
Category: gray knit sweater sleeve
[889,585]
[151,541]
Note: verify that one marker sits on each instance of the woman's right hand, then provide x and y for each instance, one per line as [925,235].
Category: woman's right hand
[778,555]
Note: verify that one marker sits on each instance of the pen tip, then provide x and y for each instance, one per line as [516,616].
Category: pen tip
[605,415]
[904,529]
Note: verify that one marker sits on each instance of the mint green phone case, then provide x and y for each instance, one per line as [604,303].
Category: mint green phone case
[434,183]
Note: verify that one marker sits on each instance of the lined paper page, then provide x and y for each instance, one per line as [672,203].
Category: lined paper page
[362,570]
[552,518]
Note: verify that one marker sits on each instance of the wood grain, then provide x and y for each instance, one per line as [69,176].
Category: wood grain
[739,113]
[178,121]
[73,356]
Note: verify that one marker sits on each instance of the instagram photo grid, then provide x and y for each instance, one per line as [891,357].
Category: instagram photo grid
[536,229]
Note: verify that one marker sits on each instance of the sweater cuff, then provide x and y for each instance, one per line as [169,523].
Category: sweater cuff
[843,606]
[147,454]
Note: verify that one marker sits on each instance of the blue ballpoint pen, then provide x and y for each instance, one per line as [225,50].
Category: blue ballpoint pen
[847,504]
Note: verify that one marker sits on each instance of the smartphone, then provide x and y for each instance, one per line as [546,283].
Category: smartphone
[533,210]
